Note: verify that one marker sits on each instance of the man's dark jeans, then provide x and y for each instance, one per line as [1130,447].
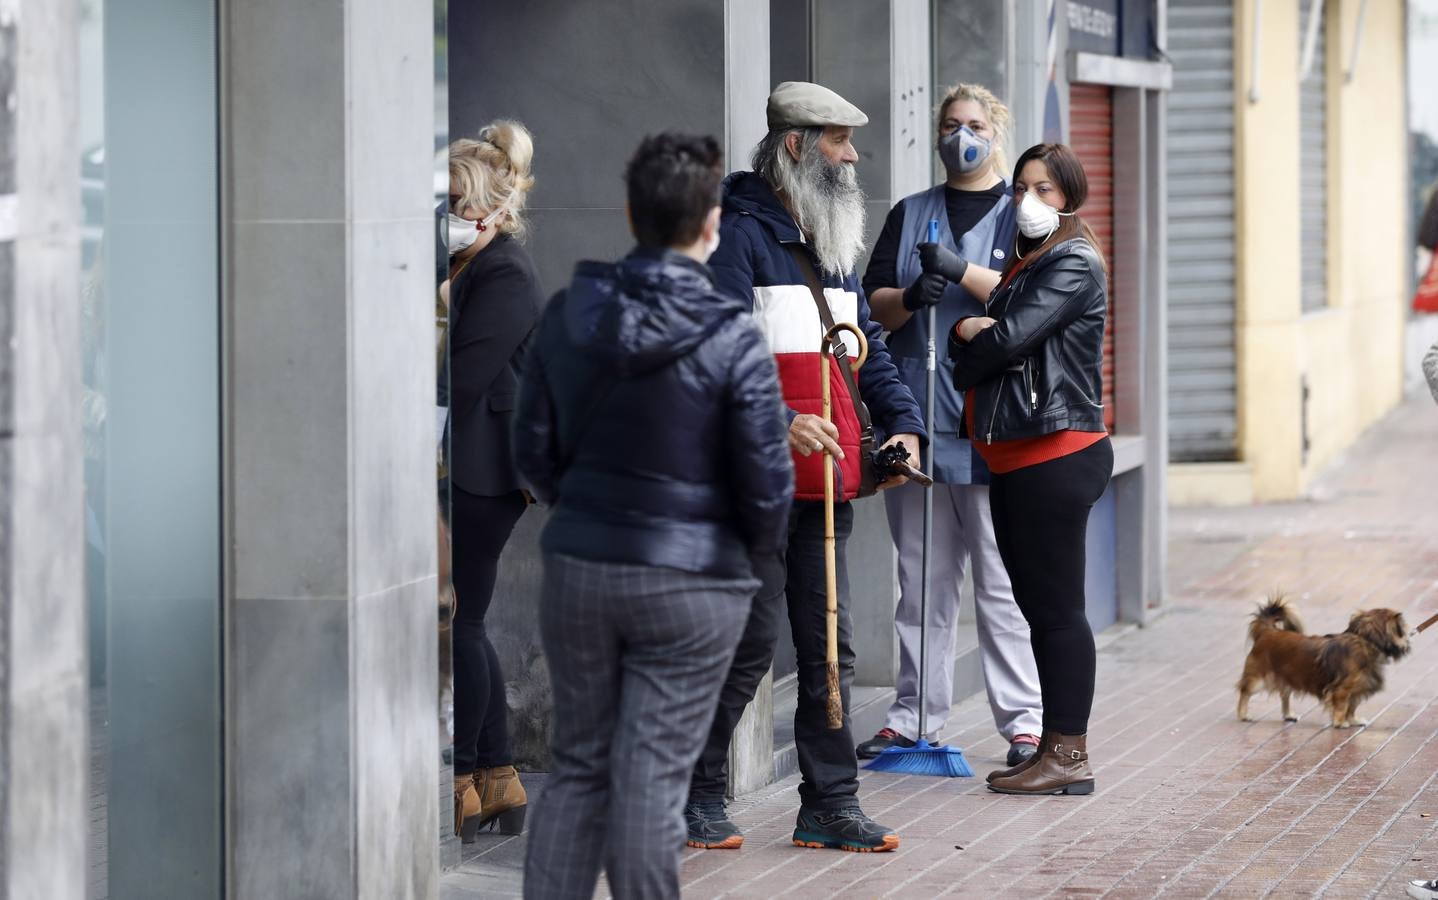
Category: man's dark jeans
[826,758]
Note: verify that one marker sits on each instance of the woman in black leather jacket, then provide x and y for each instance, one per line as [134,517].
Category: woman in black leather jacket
[1033,372]
[650,419]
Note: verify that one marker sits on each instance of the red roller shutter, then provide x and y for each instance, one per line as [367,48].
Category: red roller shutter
[1091,137]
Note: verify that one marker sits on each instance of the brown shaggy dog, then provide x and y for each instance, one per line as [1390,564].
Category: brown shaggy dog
[1342,670]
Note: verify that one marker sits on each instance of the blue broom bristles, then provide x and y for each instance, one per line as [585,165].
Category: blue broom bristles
[923,759]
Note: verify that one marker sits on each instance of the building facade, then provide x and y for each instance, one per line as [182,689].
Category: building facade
[1289,240]
[218,572]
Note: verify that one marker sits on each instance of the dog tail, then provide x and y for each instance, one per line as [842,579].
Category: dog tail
[1277,614]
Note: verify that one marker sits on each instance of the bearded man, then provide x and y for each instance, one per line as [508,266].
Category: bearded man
[804,194]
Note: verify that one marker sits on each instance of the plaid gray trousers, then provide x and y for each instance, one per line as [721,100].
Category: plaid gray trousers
[637,655]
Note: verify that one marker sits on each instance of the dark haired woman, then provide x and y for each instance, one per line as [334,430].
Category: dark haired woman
[1032,369]
[650,418]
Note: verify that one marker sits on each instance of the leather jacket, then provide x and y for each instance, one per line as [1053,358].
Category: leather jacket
[1040,369]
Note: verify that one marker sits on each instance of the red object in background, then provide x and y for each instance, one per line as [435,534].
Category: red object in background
[1091,137]
[1425,299]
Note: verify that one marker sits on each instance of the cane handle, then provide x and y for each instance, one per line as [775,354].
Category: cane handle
[832,335]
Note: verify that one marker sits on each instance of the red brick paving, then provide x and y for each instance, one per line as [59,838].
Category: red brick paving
[1190,801]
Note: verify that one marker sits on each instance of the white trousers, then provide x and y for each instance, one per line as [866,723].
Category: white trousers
[963,527]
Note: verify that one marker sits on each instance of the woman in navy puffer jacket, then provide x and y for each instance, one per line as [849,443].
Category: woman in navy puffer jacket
[650,419]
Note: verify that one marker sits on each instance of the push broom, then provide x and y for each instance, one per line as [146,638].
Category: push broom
[924,758]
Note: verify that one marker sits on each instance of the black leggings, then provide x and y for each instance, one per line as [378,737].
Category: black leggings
[1041,523]
[481,527]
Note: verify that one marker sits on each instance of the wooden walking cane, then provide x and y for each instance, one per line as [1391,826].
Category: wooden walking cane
[835,708]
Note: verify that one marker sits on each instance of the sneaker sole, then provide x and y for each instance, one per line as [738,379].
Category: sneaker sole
[729,843]
[812,841]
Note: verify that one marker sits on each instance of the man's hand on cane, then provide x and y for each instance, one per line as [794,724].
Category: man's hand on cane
[810,433]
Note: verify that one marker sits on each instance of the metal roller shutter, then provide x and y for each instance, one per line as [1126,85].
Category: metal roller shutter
[1091,137]
[1202,372]
[1313,171]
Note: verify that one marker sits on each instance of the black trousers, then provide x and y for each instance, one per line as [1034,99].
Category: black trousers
[1041,523]
[480,528]
[795,580]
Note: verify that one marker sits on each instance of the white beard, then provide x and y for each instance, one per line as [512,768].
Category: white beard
[829,206]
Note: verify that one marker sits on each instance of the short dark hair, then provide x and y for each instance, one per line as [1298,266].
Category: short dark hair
[673,182]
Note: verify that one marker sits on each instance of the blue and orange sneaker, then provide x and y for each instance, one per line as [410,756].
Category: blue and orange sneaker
[843,829]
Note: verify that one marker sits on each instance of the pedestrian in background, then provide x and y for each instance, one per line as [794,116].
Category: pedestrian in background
[494,303]
[907,275]
[793,230]
[650,418]
[1033,372]
[1428,890]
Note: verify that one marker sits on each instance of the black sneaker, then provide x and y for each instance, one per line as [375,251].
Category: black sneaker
[709,828]
[842,829]
[886,738]
[1022,749]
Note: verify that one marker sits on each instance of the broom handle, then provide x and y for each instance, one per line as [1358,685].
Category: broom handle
[1429,621]
[930,375]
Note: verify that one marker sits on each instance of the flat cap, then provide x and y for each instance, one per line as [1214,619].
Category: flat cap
[795,104]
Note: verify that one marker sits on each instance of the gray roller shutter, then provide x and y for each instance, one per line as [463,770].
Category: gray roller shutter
[1313,171]
[1202,377]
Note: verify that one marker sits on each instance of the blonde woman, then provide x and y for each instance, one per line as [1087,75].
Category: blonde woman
[494,301]
[907,275]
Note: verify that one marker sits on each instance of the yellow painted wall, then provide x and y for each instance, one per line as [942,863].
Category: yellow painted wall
[1351,353]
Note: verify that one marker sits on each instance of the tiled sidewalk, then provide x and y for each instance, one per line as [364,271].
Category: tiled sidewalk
[1190,801]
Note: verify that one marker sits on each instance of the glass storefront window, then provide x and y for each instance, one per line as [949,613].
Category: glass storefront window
[151,371]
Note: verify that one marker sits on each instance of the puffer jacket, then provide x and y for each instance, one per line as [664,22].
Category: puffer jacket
[753,264]
[683,459]
[1040,369]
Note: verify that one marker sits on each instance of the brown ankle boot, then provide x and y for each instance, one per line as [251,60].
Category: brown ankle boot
[1060,767]
[467,808]
[1014,770]
[503,798]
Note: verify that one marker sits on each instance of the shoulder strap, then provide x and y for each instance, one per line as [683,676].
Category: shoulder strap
[826,316]
[841,356]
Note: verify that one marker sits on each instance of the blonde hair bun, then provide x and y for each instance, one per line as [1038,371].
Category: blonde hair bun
[516,143]
[494,172]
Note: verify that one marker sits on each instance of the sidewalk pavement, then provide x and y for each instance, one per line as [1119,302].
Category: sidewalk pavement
[1190,801]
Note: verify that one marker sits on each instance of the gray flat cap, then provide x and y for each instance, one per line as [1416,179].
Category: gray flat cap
[795,104]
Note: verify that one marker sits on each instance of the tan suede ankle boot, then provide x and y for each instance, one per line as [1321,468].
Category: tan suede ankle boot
[1014,770]
[467,808]
[1061,767]
[503,798]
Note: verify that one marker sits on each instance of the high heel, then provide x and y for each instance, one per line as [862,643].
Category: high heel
[468,811]
[511,821]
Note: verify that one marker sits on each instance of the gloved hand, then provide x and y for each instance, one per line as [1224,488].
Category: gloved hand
[926,290]
[943,261]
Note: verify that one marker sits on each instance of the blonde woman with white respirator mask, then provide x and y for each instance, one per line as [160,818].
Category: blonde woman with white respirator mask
[495,302]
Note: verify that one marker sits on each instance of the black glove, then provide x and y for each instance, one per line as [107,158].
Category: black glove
[925,291]
[943,261]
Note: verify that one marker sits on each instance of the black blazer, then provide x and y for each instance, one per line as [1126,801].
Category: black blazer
[494,304]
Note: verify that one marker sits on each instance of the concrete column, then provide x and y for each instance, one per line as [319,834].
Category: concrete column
[43,734]
[330,512]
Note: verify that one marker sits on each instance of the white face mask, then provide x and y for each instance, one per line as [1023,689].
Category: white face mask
[464,232]
[1036,219]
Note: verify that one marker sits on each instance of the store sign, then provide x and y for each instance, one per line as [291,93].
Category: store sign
[1112,27]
